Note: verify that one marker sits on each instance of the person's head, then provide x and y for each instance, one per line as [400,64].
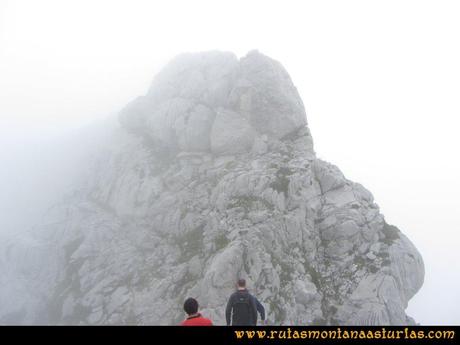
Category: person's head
[241,284]
[191,306]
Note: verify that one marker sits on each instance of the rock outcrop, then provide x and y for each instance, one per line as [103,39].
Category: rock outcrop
[212,176]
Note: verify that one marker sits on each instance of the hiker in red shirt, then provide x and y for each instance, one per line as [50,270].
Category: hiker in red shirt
[194,317]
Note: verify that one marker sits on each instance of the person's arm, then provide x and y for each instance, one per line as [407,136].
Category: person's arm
[253,309]
[260,309]
[228,310]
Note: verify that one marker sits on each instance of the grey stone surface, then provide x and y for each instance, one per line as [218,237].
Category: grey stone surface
[211,176]
[231,133]
[265,93]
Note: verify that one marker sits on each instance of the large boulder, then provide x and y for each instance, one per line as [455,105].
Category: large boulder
[265,93]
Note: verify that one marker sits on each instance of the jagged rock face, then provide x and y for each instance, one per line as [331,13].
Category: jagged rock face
[213,102]
[212,177]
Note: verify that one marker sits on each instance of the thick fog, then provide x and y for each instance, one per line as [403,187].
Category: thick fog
[379,80]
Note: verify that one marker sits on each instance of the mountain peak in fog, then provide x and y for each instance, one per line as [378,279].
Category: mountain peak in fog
[213,102]
[212,177]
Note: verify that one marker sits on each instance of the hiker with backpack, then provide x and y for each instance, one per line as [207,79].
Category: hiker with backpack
[242,307]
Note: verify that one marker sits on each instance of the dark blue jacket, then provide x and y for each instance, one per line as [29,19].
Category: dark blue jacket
[246,315]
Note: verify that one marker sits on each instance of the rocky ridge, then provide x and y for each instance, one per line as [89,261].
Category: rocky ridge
[212,176]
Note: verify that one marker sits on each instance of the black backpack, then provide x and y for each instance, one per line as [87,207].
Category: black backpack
[242,309]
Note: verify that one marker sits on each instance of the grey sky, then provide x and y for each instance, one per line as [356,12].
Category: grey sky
[380,82]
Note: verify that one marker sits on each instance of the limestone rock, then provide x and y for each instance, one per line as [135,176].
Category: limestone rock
[212,176]
[231,133]
[264,91]
[179,110]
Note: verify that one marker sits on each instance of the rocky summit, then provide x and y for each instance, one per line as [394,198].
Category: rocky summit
[209,177]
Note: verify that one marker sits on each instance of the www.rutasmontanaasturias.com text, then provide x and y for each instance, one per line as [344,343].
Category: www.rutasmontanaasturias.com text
[339,333]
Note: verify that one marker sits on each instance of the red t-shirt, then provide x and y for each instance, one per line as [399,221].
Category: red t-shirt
[196,320]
